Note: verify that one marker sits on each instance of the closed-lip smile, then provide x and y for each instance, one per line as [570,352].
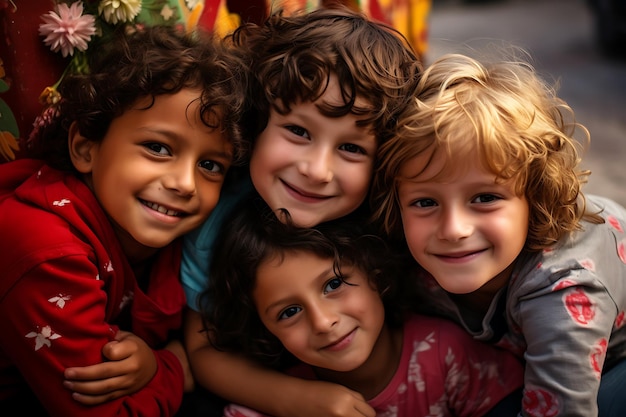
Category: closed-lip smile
[342,342]
[459,255]
[296,190]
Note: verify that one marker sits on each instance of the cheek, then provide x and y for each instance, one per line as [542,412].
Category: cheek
[294,339]
[264,162]
[290,337]
[356,182]
[209,195]
[266,149]
[413,232]
[376,309]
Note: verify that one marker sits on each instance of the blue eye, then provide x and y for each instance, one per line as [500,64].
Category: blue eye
[298,130]
[485,198]
[332,285]
[424,202]
[289,312]
[352,148]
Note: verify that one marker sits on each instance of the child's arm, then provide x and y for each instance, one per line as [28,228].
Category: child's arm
[129,365]
[241,381]
[565,354]
[57,322]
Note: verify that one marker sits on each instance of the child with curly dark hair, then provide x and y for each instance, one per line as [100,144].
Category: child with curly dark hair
[134,155]
[325,92]
[331,303]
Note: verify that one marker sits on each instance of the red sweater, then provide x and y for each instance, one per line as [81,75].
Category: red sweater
[65,287]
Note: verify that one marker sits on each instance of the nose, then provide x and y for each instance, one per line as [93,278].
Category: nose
[316,164]
[322,317]
[181,178]
[455,224]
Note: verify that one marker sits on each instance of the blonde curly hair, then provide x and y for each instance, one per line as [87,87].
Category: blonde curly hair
[512,119]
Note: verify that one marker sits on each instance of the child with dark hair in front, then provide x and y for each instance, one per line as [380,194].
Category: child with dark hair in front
[484,184]
[325,93]
[132,157]
[331,303]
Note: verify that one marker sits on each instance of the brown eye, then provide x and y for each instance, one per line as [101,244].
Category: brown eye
[212,166]
[157,148]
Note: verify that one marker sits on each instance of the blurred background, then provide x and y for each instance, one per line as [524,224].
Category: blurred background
[563,40]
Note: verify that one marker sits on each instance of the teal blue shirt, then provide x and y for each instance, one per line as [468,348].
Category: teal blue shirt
[198,245]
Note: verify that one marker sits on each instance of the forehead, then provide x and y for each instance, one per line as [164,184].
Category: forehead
[333,94]
[289,272]
[439,164]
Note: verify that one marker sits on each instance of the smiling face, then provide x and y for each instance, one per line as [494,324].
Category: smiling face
[461,226]
[319,318]
[158,171]
[319,168]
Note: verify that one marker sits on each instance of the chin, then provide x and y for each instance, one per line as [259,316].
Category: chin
[460,289]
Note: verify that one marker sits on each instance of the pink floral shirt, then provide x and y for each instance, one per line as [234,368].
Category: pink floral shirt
[442,373]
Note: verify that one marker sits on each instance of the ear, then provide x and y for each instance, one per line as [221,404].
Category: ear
[82,150]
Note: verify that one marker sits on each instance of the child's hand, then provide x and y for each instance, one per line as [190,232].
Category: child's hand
[129,367]
[332,400]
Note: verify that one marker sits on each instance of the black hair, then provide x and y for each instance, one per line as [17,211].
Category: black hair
[292,57]
[146,63]
[255,234]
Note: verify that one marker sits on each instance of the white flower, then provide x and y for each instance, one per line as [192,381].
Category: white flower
[44,337]
[115,11]
[59,300]
[192,3]
[68,28]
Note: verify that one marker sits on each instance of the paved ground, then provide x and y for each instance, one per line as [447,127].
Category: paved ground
[559,36]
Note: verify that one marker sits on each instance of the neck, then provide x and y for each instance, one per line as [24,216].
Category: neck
[480,300]
[374,375]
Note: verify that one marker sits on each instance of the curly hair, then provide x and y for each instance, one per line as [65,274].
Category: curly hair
[513,120]
[292,58]
[147,63]
[255,234]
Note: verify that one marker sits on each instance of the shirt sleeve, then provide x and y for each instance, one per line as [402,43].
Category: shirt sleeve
[566,328]
[58,321]
[199,244]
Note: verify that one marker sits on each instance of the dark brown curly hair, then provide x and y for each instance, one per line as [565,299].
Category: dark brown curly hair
[255,234]
[292,57]
[147,63]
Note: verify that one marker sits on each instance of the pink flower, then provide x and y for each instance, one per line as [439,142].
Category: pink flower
[68,28]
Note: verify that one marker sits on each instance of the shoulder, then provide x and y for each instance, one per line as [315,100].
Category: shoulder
[32,234]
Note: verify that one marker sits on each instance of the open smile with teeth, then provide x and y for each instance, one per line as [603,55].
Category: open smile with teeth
[162,209]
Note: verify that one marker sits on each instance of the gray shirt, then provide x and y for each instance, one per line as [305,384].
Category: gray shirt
[563,312]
